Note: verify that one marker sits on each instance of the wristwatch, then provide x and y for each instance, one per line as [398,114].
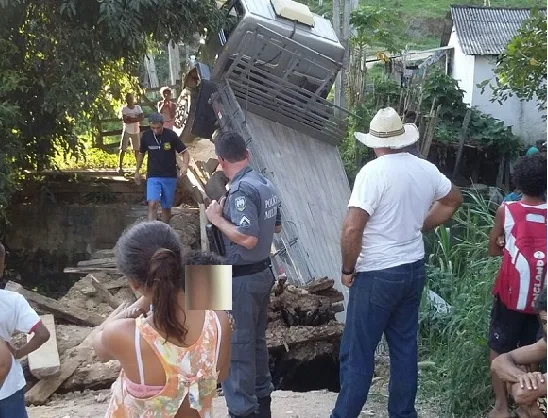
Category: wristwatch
[347,273]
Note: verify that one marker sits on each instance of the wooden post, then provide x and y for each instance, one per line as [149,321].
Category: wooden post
[462,138]
[430,135]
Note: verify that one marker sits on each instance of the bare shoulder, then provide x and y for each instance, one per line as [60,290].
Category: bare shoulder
[117,334]
[226,319]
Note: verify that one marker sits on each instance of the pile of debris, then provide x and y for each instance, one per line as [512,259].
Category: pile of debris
[301,326]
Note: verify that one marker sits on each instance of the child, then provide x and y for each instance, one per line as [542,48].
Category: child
[17,315]
[523,271]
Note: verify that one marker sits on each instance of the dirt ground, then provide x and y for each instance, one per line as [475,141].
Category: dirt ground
[284,405]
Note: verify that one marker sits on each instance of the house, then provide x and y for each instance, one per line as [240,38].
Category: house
[478,36]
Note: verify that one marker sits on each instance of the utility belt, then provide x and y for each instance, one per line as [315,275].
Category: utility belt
[248,269]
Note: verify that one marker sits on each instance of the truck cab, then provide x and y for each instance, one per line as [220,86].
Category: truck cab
[287,19]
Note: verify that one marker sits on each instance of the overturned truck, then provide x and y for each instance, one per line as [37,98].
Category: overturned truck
[267,75]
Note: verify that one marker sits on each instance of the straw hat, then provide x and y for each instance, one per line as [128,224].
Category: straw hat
[386,130]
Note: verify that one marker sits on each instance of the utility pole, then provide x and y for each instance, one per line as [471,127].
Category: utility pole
[337,29]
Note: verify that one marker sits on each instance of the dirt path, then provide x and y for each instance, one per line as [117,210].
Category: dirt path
[284,405]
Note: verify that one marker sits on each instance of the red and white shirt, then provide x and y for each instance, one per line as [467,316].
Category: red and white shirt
[16,315]
[522,275]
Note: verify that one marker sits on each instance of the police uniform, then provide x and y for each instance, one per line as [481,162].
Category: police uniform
[253,206]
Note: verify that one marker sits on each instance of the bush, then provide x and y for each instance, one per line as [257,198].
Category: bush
[462,273]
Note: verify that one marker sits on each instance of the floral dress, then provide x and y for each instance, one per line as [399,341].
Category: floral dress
[190,371]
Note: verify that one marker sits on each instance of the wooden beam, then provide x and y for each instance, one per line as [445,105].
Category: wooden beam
[72,314]
[462,139]
[111,300]
[113,285]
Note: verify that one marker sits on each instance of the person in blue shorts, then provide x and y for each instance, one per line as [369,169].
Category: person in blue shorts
[168,159]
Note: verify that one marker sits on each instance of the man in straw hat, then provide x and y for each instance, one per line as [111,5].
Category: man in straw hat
[395,198]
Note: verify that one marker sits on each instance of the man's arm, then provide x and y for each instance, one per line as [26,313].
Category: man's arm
[506,366]
[5,362]
[497,231]
[443,209]
[183,159]
[352,235]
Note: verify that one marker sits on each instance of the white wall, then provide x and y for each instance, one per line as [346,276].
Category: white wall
[525,119]
[463,68]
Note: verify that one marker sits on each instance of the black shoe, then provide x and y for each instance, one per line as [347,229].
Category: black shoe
[242,416]
[264,407]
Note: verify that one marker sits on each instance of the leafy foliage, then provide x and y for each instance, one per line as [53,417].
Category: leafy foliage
[522,67]
[67,62]
[374,27]
[461,272]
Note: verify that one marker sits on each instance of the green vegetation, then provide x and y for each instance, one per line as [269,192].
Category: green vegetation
[522,70]
[423,19]
[66,63]
[462,273]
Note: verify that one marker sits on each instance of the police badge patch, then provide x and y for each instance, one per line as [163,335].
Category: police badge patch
[240,203]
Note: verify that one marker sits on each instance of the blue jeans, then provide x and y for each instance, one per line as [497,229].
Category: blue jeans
[13,406]
[385,301]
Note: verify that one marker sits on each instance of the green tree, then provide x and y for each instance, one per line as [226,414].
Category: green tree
[521,69]
[65,62]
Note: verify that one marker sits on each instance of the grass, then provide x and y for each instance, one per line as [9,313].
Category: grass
[439,8]
[462,273]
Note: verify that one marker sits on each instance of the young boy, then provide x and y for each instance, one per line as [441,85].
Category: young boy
[527,388]
[17,315]
[523,271]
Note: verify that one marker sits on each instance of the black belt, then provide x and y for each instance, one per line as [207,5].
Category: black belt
[247,269]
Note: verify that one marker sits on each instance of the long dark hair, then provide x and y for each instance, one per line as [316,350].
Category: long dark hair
[151,254]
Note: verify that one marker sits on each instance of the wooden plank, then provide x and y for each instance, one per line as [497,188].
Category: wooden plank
[13,287]
[462,139]
[203,234]
[89,270]
[112,301]
[113,285]
[72,314]
[45,362]
[101,262]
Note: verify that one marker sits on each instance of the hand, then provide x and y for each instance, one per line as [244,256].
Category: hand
[14,351]
[222,202]
[137,178]
[135,313]
[214,211]
[183,171]
[501,241]
[531,380]
[347,279]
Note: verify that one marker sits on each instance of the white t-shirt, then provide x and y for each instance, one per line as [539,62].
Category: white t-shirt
[397,191]
[16,315]
[132,128]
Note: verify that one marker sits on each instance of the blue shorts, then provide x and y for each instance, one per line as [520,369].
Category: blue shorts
[162,189]
[13,406]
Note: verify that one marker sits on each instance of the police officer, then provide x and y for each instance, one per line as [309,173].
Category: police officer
[247,218]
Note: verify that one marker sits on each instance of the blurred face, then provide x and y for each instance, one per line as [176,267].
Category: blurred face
[130,100]
[157,127]
[167,95]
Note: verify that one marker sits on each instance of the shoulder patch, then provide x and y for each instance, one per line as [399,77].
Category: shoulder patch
[240,203]
[245,222]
